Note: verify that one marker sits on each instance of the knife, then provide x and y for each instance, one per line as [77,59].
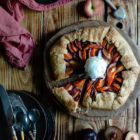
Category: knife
[8,111]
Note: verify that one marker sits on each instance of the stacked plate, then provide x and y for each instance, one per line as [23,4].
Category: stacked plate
[46,123]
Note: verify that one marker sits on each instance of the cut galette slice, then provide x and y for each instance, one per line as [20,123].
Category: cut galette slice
[69,95]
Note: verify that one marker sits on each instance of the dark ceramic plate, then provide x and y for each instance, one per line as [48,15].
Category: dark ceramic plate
[46,123]
[46,1]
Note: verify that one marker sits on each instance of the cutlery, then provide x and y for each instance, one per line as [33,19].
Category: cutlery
[8,111]
[24,122]
[34,116]
[119,13]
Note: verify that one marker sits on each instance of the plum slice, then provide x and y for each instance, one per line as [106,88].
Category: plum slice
[68,57]
[106,55]
[132,136]
[99,83]
[111,47]
[73,47]
[116,56]
[102,89]
[78,44]
[110,75]
[104,43]
[113,133]
[120,68]
[116,87]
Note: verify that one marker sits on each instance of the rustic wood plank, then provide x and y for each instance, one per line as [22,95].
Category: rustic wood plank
[53,21]
[138,43]
[22,80]
[80,124]
[128,119]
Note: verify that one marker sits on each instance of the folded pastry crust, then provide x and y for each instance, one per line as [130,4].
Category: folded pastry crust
[105,100]
[63,96]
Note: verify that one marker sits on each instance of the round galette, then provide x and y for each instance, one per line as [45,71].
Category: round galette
[106,59]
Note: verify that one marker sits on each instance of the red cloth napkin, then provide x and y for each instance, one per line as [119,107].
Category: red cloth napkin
[17,42]
[32,4]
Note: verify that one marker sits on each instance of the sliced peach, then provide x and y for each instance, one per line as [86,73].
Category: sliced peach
[80,55]
[73,47]
[118,79]
[120,68]
[106,55]
[89,90]
[77,98]
[89,84]
[116,87]
[93,52]
[104,43]
[111,47]
[102,89]
[111,75]
[78,43]
[116,56]
[99,83]
[84,54]
[69,71]
[80,83]
[76,93]
[93,45]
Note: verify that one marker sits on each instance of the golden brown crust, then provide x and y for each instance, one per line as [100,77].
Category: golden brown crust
[112,100]
[103,100]
[63,96]
[94,34]
[106,100]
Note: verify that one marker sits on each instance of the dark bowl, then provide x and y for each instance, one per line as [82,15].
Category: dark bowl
[46,1]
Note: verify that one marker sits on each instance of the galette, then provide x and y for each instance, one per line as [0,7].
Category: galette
[108,62]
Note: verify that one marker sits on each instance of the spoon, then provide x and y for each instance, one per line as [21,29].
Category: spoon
[119,13]
[34,116]
[24,122]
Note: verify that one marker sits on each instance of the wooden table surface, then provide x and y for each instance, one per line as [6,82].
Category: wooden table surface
[43,25]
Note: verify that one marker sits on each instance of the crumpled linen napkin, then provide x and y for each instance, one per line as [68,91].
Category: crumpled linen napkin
[32,4]
[16,41]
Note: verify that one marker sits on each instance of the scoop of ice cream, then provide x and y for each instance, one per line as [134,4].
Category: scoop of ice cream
[95,67]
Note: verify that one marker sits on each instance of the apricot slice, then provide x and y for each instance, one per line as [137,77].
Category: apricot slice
[104,43]
[93,52]
[118,79]
[116,87]
[89,84]
[106,55]
[80,83]
[120,68]
[102,89]
[116,56]
[73,47]
[111,47]
[99,83]
[69,71]
[78,43]
[111,75]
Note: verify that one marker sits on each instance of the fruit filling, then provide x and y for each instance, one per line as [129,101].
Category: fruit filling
[75,89]
[101,60]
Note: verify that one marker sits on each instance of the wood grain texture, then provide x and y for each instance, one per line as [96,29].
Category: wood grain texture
[43,25]
[128,118]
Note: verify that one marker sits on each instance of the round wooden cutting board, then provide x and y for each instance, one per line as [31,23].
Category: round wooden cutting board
[93,114]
